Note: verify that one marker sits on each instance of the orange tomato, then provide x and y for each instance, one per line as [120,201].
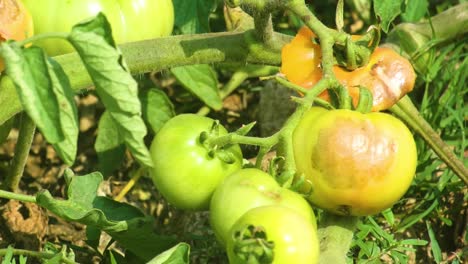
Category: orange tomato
[15,22]
[387,75]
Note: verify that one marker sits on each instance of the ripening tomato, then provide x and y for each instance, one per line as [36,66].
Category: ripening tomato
[354,164]
[387,75]
[300,59]
[273,234]
[15,22]
[185,171]
[247,189]
[131,20]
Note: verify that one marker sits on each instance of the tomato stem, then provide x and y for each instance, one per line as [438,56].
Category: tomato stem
[23,145]
[406,111]
[36,254]
[17,196]
[43,36]
[152,55]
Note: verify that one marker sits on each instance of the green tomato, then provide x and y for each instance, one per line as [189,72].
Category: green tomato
[131,20]
[273,234]
[185,171]
[353,163]
[247,189]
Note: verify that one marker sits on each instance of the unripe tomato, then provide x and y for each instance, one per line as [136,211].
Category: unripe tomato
[291,237]
[247,189]
[15,22]
[131,20]
[353,163]
[185,171]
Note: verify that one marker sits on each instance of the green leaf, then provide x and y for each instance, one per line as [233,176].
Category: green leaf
[8,258]
[192,16]
[109,145]
[5,129]
[201,80]
[414,242]
[27,68]
[123,222]
[388,214]
[225,156]
[365,100]
[59,254]
[179,254]
[435,248]
[66,148]
[414,10]
[157,108]
[245,129]
[114,84]
[387,11]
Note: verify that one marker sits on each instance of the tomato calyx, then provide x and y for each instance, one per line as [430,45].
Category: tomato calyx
[214,150]
[357,49]
[252,246]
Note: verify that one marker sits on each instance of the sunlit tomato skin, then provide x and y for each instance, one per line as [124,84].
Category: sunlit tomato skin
[294,238]
[301,59]
[131,20]
[353,163]
[15,22]
[387,75]
[247,189]
[184,171]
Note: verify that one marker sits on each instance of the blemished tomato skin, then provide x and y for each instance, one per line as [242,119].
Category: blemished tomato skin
[294,236]
[247,189]
[184,172]
[131,20]
[354,164]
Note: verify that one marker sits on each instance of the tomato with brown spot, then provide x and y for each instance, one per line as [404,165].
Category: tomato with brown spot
[354,163]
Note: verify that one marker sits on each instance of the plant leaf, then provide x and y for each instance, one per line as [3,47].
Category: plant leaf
[109,145]
[415,10]
[200,79]
[387,11]
[114,84]
[192,16]
[157,108]
[5,129]
[123,222]
[27,68]
[178,254]
[66,148]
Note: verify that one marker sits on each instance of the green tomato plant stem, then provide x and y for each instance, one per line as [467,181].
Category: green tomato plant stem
[17,196]
[406,111]
[233,138]
[156,55]
[325,35]
[23,145]
[35,254]
[42,36]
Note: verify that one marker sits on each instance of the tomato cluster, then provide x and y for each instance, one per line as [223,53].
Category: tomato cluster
[15,22]
[125,17]
[347,163]
[387,75]
[192,175]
